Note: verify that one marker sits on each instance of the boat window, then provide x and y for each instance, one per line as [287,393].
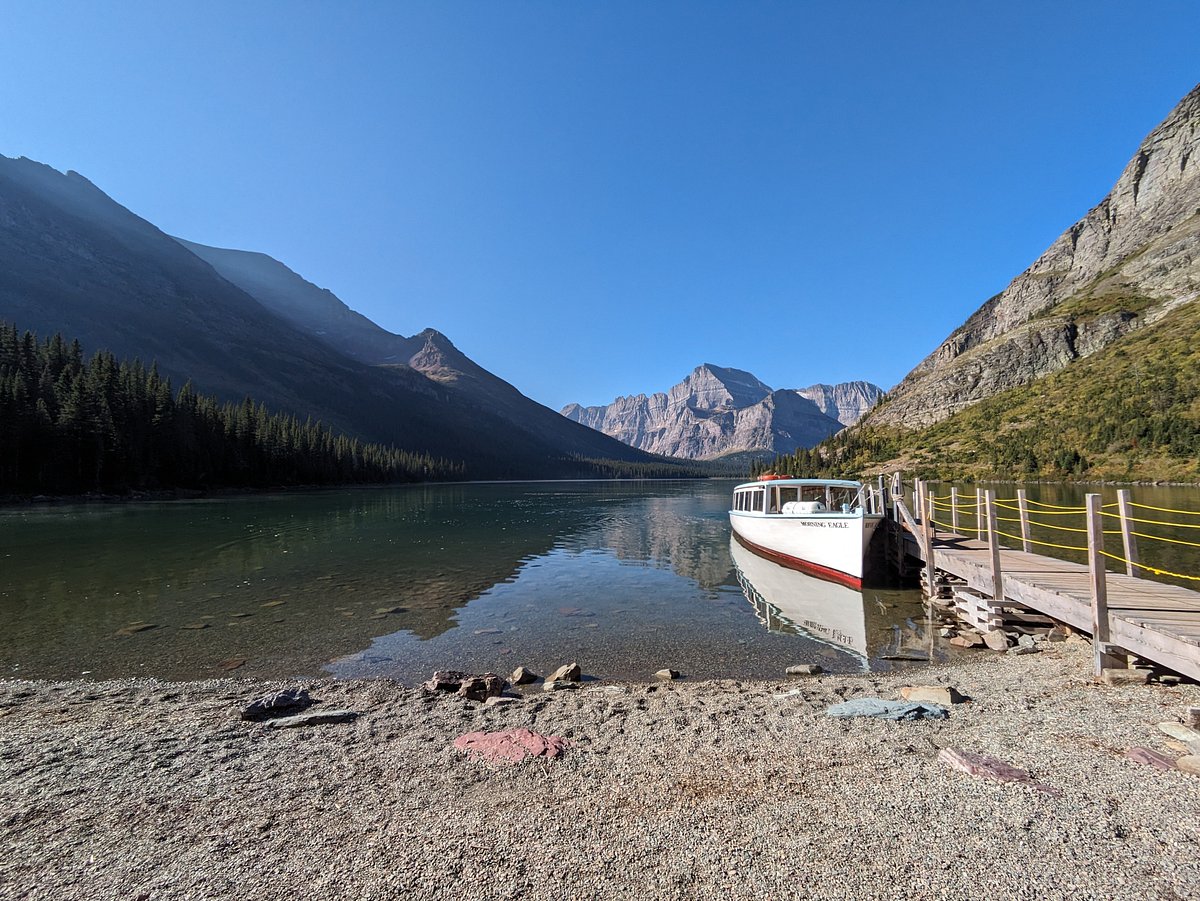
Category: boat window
[812,493]
[787,495]
[756,500]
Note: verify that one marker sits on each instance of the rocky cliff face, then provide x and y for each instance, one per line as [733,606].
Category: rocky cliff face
[717,411]
[1126,264]
[847,402]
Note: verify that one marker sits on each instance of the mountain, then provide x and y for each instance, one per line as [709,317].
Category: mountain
[847,402]
[319,313]
[1086,364]
[74,261]
[717,411]
[1131,261]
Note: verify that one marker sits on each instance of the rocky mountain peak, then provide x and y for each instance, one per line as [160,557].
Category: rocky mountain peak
[1129,262]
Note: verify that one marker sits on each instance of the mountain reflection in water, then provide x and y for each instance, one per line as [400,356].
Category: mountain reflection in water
[628,577]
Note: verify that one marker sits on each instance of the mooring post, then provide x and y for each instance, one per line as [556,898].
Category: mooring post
[994,547]
[1101,636]
[954,510]
[1023,506]
[1127,536]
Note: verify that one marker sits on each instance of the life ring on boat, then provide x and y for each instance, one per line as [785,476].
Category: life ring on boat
[771,477]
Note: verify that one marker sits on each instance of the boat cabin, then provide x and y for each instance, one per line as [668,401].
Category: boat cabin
[799,497]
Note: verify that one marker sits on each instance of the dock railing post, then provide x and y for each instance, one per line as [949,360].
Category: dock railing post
[1127,537]
[954,510]
[1101,636]
[883,498]
[1023,506]
[979,513]
[994,547]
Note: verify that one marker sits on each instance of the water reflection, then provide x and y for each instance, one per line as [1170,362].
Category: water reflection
[864,631]
[627,577]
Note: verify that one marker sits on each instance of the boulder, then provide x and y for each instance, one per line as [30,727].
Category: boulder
[466,685]
[277,703]
[501,701]
[1191,717]
[1058,633]
[522,676]
[312,718]
[1189,764]
[510,745]
[932,694]
[569,673]
[667,674]
[996,640]
[804,669]
[963,641]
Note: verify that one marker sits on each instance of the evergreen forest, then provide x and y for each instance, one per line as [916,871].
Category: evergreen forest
[70,425]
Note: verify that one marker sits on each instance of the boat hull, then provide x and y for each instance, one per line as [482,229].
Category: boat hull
[830,547]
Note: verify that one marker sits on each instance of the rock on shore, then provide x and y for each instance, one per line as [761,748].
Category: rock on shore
[666,790]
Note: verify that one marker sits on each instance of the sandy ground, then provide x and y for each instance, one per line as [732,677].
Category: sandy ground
[148,790]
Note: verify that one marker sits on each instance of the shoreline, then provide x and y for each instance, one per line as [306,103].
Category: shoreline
[720,789]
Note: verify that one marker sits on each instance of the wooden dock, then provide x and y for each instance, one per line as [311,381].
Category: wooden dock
[1126,615]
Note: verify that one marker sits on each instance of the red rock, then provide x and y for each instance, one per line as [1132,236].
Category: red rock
[510,745]
[1156,759]
[990,768]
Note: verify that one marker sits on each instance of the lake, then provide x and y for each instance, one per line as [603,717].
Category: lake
[625,577]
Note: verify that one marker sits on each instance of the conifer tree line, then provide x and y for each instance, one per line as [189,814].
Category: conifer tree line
[71,425]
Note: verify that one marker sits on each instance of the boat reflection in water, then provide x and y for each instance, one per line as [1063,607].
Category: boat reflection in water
[871,634]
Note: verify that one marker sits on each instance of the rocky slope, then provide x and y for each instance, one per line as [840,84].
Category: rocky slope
[717,411]
[74,261]
[1128,263]
[321,314]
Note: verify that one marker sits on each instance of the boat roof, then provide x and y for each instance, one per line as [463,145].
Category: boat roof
[837,483]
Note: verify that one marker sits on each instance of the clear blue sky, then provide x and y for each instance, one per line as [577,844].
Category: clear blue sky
[592,198]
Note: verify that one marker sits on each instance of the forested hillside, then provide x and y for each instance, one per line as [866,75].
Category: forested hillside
[74,425]
[1130,412]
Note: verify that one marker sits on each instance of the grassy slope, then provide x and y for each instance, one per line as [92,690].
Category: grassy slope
[1129,412]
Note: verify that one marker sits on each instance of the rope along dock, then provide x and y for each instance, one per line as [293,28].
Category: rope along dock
[1126,615]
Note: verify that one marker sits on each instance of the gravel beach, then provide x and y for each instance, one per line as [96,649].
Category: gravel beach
[156,790]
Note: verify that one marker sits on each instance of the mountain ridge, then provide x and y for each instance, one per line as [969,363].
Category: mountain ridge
[717,411]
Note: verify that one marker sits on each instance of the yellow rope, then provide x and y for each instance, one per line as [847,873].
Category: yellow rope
[1155,522]
[1152,569]
[1055,506]
[1170,540]
[1044,512]
[1163,509]
[1046,525]
[1061,547]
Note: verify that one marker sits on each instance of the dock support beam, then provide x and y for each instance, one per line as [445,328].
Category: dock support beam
[994,546]
[1101,634]
[1023,507]
[1127,536]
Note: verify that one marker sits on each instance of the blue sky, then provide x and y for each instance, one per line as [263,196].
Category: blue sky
[591,199]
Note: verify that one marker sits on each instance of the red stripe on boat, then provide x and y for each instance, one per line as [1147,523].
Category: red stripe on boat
[804,566]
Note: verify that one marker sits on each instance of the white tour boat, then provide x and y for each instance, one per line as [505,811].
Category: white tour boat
[822,527]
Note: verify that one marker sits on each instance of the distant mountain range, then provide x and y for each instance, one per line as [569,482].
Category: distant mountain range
[717,412]
[74,261]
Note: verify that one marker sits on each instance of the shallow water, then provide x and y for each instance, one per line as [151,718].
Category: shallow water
[625,577]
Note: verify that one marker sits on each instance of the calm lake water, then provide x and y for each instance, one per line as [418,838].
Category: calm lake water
[625,577]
